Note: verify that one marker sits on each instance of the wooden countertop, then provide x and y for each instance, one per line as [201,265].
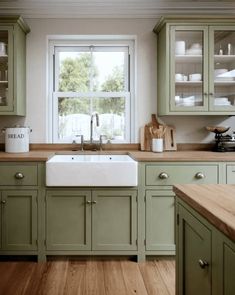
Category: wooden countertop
[174,156]
[181,156]
[215,202]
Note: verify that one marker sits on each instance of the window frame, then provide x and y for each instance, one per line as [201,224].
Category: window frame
[55,42]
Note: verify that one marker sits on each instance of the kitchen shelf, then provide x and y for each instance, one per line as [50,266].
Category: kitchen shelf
[224,58]
[188,58]
[189,83]
[224,83]
[3,82]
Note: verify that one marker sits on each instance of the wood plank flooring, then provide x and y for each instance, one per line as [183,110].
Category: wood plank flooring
[89,277]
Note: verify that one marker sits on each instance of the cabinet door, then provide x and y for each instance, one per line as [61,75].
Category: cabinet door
[222,68]
[1,220]
[160,215]
[114,220]
[224,264]
[19,220]
[188,68]
[6,69]
[193,255]
[68,215]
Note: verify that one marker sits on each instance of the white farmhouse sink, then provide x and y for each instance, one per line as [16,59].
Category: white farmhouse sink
[91,170]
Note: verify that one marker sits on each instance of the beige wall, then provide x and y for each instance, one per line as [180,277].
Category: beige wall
[189,129]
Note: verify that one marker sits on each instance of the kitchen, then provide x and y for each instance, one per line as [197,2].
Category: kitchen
[129,25]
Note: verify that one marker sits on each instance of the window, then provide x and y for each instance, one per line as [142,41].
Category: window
[88,79]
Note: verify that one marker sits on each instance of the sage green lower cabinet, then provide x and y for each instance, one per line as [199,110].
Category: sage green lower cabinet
[194,245]
[91,220]
[205,260]
[68,220]
[114,220]
[160,216]
[19,220]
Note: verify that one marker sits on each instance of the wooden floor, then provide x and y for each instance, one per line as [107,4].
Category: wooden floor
[90,277]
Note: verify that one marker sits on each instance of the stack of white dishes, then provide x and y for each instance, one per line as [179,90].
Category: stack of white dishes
[180,48]
[185,101]
[222,101]
[195,49]
[224,75]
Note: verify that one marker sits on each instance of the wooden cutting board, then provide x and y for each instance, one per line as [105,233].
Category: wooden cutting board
[145,138]
[170,139]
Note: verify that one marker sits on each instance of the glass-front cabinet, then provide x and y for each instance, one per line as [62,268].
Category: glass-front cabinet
[189,66]
[12,65]
[196,66]
[6,68]
[222,69]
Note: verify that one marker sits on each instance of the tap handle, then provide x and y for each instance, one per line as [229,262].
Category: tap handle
[101,136]
[82,140]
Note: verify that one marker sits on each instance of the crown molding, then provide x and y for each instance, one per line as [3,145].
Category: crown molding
[113,8]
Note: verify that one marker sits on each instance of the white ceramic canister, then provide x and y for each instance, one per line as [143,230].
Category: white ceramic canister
[157,145]
[17,139]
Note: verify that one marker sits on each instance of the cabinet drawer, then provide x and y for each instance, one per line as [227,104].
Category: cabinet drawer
[173,174]
[13,174]
[230,174]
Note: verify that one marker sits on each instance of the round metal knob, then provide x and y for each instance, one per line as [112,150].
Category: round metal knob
[3,202]
[205,93]
[211,93]
[163,175]
[19,175]
[94,202]
[202,263]
[88,202]
[199,175]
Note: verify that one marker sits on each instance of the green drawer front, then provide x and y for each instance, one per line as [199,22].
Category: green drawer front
[11,174]
[181,174]
[230,174]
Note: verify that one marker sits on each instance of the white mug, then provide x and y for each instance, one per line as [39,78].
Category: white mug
[157,145]
[179,77]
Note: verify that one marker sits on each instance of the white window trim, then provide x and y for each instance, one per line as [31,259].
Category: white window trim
[86,40]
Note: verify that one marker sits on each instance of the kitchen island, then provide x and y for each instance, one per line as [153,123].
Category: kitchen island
[205,239]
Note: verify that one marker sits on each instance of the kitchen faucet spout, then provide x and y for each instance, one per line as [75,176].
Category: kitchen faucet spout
[96,115]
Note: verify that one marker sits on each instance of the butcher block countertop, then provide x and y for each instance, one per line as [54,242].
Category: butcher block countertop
[215,202]
[173,156]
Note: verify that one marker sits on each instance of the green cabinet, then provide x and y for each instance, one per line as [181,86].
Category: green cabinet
[156,181]
[160,215]
[68,215]
[13,32]
[193,249]
[196,62]
[19,220]
[205,260]
[114,220]
[91,220]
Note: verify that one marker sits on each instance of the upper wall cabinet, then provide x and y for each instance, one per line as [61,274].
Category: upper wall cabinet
[196,66]
[13,32]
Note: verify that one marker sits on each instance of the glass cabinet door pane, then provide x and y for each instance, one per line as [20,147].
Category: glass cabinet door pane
[224,70]
[3,68]
[188,70]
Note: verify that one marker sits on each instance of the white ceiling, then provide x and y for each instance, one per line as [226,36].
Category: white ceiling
[114,8]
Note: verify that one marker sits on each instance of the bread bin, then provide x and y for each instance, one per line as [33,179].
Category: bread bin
[16,139]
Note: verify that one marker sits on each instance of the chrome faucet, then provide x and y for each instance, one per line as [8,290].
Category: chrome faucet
[96,115]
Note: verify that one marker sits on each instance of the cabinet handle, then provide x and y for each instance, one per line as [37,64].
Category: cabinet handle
[163,175]
[199,175]
[94,202]
[211,93]
[205,93]
[88,202]
[19,175]
[3,202]
[202,263]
